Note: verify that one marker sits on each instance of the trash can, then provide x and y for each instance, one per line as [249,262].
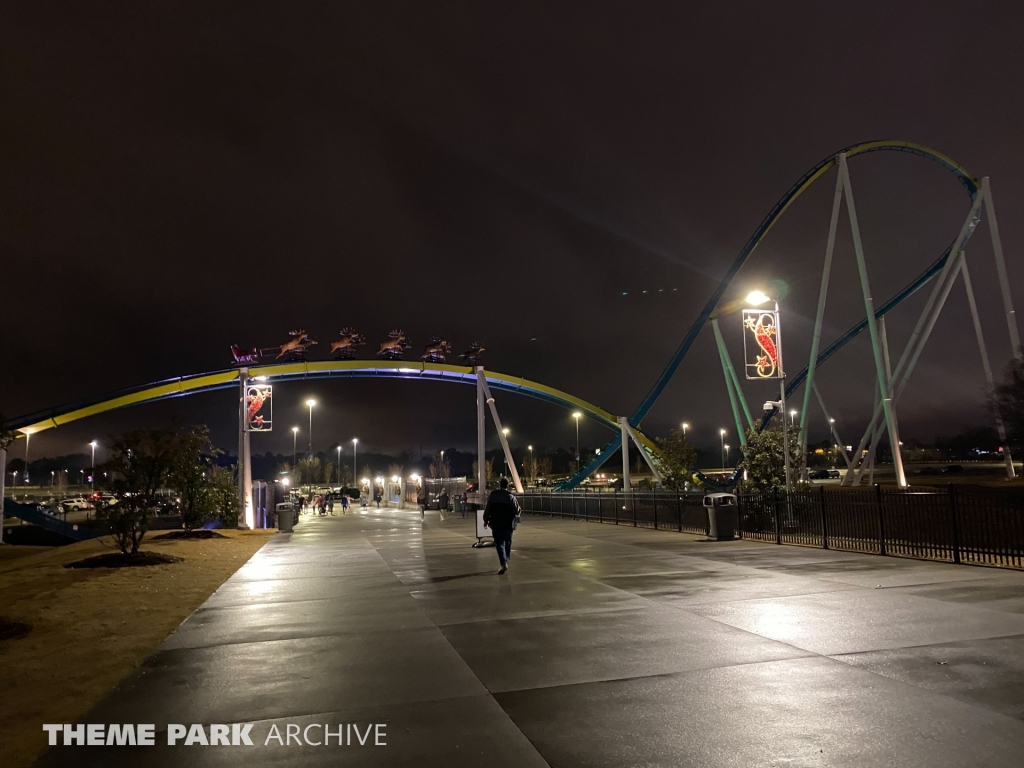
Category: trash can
[285,516]
[723,516]
[457,505]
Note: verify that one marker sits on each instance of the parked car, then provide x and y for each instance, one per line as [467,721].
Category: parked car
[76,504]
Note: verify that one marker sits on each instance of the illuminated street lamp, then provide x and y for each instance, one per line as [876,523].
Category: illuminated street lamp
[355,474]
[532,473]
[506,432]
[721,434]
[792,417]
[295,452]
[339,463]
[576,415]
[92,468]
[727,455]
[311,402]
[686,426]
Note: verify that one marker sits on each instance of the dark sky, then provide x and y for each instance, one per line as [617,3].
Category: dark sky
[175,178]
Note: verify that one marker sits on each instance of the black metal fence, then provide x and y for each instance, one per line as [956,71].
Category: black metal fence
[958,523]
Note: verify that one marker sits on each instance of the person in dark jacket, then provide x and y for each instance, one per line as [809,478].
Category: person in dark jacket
[501,516]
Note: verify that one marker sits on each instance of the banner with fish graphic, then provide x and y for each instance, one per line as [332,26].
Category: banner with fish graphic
[259,408]
[761,353]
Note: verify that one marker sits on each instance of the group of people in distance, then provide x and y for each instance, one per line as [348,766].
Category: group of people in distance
[323,504]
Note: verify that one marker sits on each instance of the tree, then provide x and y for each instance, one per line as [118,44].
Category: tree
[139,462]
[222,495]
[440,467]
[762,458]
[1008,402]
[488,469]
[189,475]
[677,459]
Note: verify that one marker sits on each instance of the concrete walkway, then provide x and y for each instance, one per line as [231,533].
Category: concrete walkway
[603,645]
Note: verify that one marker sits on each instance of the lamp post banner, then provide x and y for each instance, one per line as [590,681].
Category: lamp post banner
[761,353]
[259,408]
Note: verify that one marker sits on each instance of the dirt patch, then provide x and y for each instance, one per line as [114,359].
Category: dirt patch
[12,630]
[92,626]
[201,533]
[140,559]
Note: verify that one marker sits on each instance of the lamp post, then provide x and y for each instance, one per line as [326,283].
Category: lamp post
[686,426]
[756,298]
[310,403]
[339,463]
[295,451]
[727,454]
[721,434]
[28,436]
[505,431]
[92,468]
[792,417]
[576,415]
[532,473]
[355,474]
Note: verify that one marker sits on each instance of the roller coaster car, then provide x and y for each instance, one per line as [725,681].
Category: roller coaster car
[435,351]
[394,348]
[345,347]
[246,356]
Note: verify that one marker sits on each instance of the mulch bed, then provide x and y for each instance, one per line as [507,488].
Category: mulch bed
[200,533]
[117,560]
[12,630]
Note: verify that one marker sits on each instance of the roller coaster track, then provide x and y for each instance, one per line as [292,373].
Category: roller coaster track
[387,369]
[805,181]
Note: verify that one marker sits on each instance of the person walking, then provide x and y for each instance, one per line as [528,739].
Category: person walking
[344,504]
[421,502]
[330,504]
[502,516]
[442,503]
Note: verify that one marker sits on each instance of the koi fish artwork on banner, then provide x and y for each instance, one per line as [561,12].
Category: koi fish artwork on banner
[761,351]
[259,408]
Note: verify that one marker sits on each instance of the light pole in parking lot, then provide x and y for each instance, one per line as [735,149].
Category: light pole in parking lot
[92,468]
[355,473]
[339,463]
[721,434]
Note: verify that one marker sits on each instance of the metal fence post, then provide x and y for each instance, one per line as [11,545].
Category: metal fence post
[955,515]
[824,521]
[775,514]
[881,520]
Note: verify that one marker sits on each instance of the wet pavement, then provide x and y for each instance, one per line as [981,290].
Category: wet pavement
[602,645]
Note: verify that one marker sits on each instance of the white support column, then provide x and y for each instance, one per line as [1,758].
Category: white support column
[987,365]
[819,317]
[626,483]
[482,379]
[245,519]
[640,447]
[1004,283]
[869,307]
[481,437]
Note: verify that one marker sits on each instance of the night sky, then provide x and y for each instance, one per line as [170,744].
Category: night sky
[176,178]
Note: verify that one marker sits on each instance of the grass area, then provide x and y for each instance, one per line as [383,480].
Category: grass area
[92,626]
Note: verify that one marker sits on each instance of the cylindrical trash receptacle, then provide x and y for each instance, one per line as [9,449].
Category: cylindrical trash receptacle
[723,516]
[285,516]
[457,505]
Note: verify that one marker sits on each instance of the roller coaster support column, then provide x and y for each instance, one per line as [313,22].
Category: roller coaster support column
[627,484]
[876,347]
[624,423]
[245,519]
[481,439]
[826,273]
[482,383]
[986,364]
[732,385]
[1004,284]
